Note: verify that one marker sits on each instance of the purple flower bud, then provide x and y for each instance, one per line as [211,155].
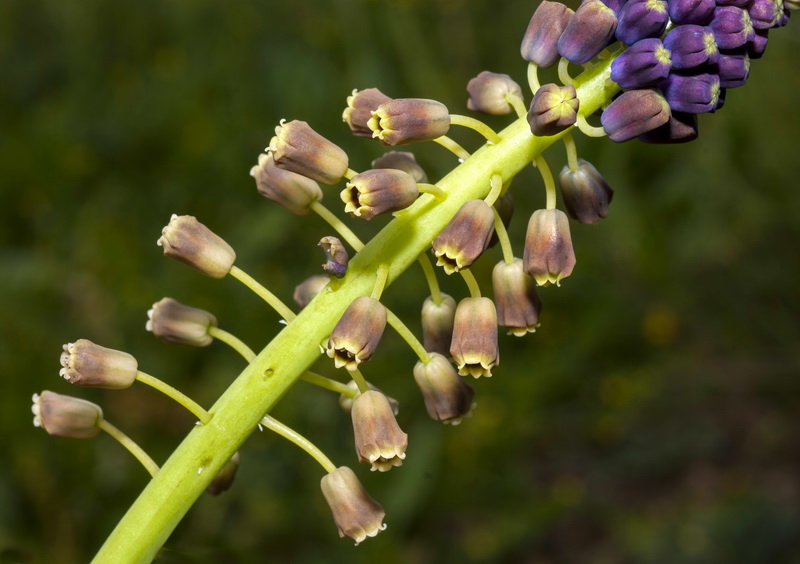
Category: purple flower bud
[643,64]
[437,324]
[586,193]
[549,255]
[588,32]
[681,128]
[640,19]
[336,257]
[447,397]
[732,27]
[189,241]
[465,238]
[765,13]
[553,109]
[616,5]
[489,93]
[691,46]
[758,44]
[84,363]
[733,69]
[378,191]
[406,120]
[174,322]
[401,160]
[540,42]
[698,12]
[360,105]
[355,513]
[293,191]
[66,416]
[694,94]
[298,148]
[739,3]
[635,112]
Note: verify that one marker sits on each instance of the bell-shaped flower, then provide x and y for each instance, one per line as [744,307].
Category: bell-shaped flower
[379,191]
[697,12]
[406,120]
[437,324]
[518,304]
[336,257]
[549,256]
[379,439]
[293,191]
[189,241]
[360,105]
[66,416]
[174,322]
[447,397]
[540,42]
[732,27]
[489,93]
[474,346]
[694,94]
[355,513]
[308,289]
[586,193]
[298,148]
[465,237]
[84,363]
[357,334]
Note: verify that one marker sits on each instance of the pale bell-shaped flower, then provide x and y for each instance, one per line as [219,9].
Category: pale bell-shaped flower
[378,438]
[308,289]
[346,401]
[174,322]
[84,363]
[465,237]
[401,160]
[298,148]
[336,257]
[360,105]
[358,332]
[447,397]
[489,93]
[474,346]
[379,191]
[518,304]
[437,324]
[66,416]
[355,513]
[549,256]
[189,241]
[224,478]
[293,191]
[406,120]
[586,193]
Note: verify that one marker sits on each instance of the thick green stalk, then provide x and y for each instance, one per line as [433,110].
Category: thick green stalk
[194,463]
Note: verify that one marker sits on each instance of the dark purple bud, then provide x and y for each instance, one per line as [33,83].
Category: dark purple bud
[643,64]
[336,257]
[635,112]
[586,193]
[489,93]
[589,31]
[783,19]
[691,46]
[732,27]
[540,42]
[681,128]
[733,69]
[757,45]
[739,3]
[616,5]
[720,100]
[765,13]
[640,19]
[695,94]
[698,12]
[553,109]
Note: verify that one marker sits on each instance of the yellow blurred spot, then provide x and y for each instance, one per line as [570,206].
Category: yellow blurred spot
[660,326]
[615,391]
[568,489]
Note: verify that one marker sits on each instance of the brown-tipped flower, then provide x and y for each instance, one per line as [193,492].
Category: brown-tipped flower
[465,238]
[174,322]
[489,93]
[66,416]
[553,109]
[540,42]
[189,241]
[518,304]
[437,324]
[224,478]
[378,191]
[355,513]
[358,333]
[84,363]
[346,402]
[447,397]
[336,257]
[401,160]
[474,346]
[406,120]
[379,439]
[308,289]
[293,191]
[360,105]
[549,255]
[298,148]
[586,193]
[505,209]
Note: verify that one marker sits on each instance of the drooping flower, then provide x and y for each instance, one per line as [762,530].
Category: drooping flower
[355,513]
[378,438]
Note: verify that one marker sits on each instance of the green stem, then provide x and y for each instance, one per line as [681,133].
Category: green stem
[518,104]
[472,284]
[430,276]
[271,299]
[177,395]
[165,500]
[380,282]
[563,72]
[131,445]
[360,381]
[233,342]
[549,182]
[350,173]
[587,129]
[453,147]
[328,384]
[495,187]
[572,152]
[502,236]
[431,189]
[408,336]
[337,224]
[476,125]
[533,77]
[298,439]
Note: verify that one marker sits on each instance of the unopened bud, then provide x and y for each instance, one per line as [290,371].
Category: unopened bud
[633,113]
[586,193]
[765,13]
[588,32]
[293,191]
[84,363]
[474,346]
[336,257]
[447,397]
[355,513]
[358,332]
[465,237]
[224,478]
[437,324]
[681,128]
[378,191]
[406,120]
[549,256]
[402,160]
[298,148]
[360,105]
[691,46]
[640,19]
[694,94]
[732,27]
[174,322]
[642,64]
[733,70]
[553,109]
[66,416]
[489,93]
[540,42]
[189,241]
[308,289]
[378,438]
[518,304]
[697,12]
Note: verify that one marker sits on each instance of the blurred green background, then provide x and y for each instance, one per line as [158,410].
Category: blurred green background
[653,418]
